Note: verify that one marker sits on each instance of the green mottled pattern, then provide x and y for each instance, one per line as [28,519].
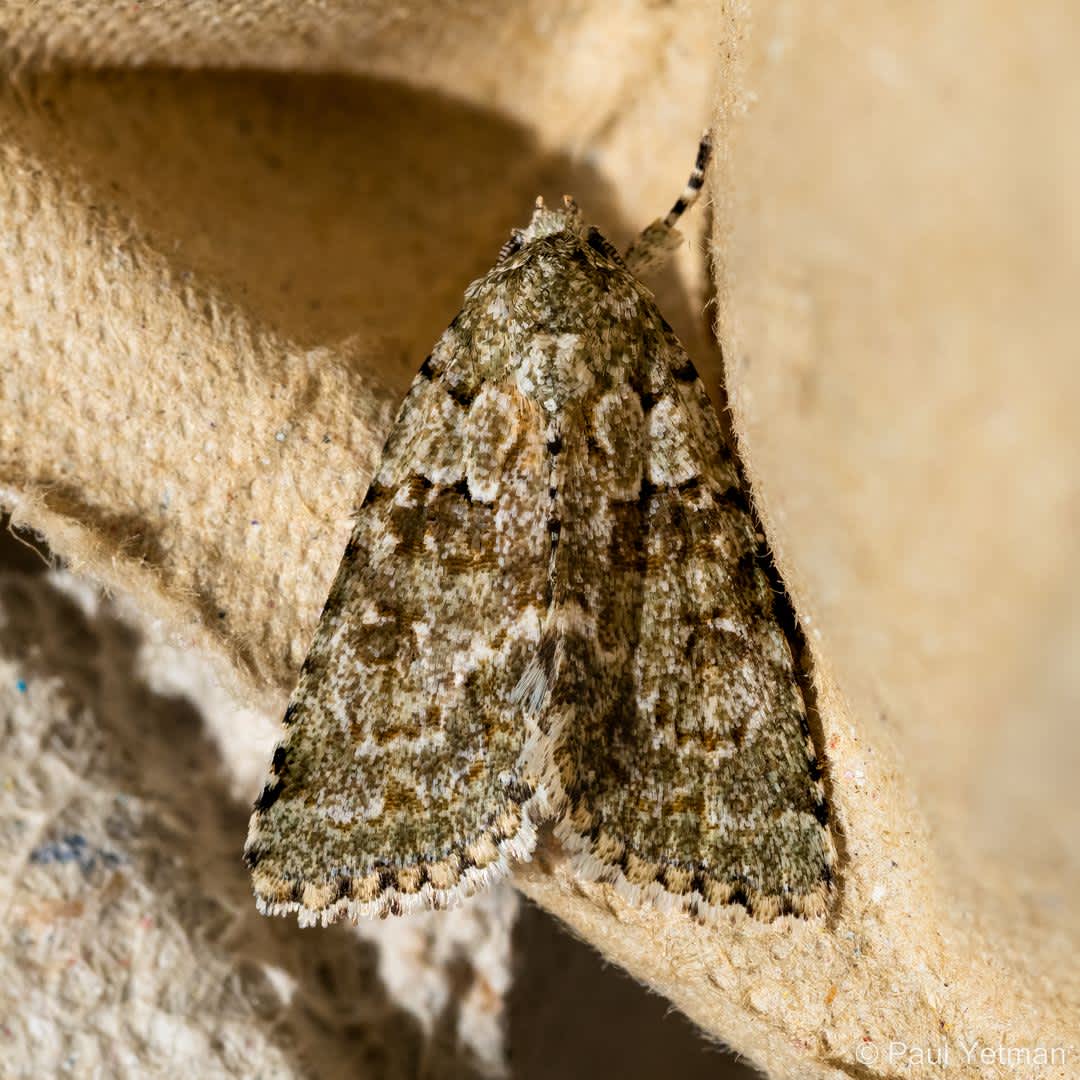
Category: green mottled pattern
[550,607]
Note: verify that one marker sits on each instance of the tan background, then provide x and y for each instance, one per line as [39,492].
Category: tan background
[228,242]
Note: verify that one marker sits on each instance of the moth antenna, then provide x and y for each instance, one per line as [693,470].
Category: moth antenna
[660,238]
[694,185]
[511,246]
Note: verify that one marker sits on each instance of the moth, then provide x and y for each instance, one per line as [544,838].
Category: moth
[551,609]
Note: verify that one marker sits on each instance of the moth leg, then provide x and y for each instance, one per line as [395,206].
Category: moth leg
[660,238]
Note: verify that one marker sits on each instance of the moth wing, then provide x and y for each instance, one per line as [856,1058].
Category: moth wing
[397,786]
[691,776]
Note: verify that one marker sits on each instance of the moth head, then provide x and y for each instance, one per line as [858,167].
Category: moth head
[566,222]
[546,221]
